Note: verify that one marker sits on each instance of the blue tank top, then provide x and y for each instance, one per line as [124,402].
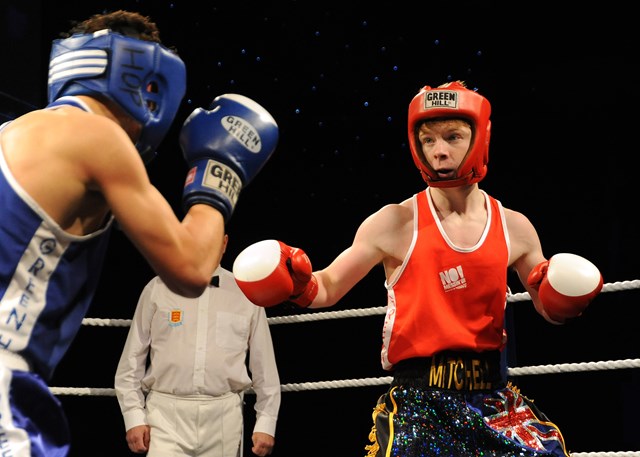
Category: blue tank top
[47,277]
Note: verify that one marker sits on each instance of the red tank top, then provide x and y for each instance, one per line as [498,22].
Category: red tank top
[445,297]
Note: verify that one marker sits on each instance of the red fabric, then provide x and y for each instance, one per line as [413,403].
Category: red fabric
[446,298]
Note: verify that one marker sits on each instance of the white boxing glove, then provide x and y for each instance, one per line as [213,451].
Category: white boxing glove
[269,272]
[566,284]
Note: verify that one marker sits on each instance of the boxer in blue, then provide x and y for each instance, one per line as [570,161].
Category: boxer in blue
[70,170]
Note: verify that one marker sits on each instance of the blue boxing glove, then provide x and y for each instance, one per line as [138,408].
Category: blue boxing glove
[225,146]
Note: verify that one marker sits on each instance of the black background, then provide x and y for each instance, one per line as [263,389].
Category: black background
[338,78]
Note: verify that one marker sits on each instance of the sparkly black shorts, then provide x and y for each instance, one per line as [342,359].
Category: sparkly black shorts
[444,412]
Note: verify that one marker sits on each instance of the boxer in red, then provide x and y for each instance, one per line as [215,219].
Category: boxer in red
[446,252]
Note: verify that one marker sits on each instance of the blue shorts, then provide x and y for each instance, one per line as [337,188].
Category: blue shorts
[32,420]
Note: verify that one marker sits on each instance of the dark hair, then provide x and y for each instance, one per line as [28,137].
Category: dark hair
[127,23]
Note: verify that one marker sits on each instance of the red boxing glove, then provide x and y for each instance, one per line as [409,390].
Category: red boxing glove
[566,284]
[269,272]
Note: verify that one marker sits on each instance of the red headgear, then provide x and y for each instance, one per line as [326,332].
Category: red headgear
[452,100]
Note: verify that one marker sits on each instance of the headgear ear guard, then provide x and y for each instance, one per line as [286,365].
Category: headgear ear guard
[452,100]
[144,78]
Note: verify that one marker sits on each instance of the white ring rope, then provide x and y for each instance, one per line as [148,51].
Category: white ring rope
[319,316]
[367,382]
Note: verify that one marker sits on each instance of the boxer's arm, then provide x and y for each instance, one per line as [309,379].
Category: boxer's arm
[526,252]
[270,272]
[182,253]
[574,281]
[382,239]
[111,178]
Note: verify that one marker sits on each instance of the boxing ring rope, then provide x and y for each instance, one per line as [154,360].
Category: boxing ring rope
[319,316]
[367,382]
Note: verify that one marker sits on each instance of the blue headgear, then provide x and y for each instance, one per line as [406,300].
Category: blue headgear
[143,77]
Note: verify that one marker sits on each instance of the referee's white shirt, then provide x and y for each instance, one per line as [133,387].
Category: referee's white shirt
[198,346]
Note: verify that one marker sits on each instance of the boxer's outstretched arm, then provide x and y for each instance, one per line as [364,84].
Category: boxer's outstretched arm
[270,272]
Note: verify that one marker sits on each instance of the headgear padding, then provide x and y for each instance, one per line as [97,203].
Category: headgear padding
[452,101]
[144,78]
